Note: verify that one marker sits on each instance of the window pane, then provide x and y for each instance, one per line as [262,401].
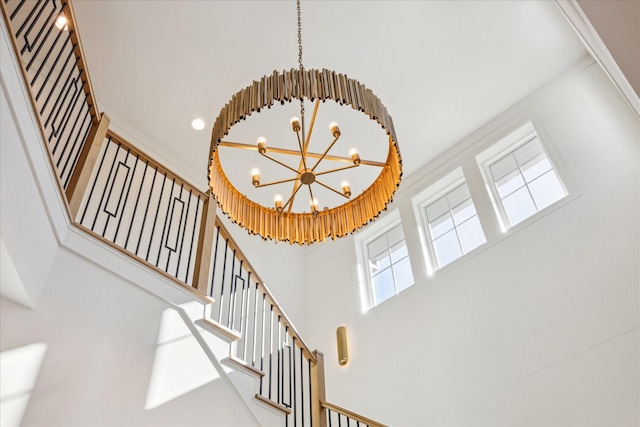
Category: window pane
[536,167]
[519,206]
[395,235]
[379,262]
[528,151]
[377,246]
[471,235]
[458,195]
[437,209]
[463,212]
[383,286]
[510,183]
[447,248]
[403,274]
[547,189]
[441,225]
[503,167]
[398,252]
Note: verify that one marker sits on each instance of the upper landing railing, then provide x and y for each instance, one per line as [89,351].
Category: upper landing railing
[130,202]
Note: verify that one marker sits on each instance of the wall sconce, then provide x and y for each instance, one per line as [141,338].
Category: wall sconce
[343,347]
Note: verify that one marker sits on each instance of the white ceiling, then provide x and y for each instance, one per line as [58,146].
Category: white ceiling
[442,68]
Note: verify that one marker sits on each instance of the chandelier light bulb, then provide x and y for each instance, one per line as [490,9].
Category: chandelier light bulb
[335,130]
[295,124]
[197,123]
[61,23]
[255,176]
[262,144]
[346,189]
[277,199]
[355,157]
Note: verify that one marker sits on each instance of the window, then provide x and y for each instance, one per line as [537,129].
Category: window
[523,179]
[386,262]
[453,224]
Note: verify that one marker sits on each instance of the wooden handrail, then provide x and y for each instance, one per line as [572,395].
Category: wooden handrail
[151,162]
[276,307]
[351,415]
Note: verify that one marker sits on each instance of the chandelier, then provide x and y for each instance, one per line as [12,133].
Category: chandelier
[281,221]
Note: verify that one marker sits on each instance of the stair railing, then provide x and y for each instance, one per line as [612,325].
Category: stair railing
[122,197]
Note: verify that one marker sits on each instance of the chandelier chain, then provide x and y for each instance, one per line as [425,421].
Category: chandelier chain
[300,63]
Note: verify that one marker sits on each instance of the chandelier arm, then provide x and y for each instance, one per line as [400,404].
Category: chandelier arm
[276,182]
[280,163]
[325,152]
[302,153]
[330,188]
[310,193]
[313,121]
[292,197]
[297,153]
[336,170]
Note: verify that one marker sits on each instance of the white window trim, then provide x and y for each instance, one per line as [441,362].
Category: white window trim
[514,138]
[380,227]
[433,192]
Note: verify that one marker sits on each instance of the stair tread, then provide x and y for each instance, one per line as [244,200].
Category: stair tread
[221,331]
[272,403]
[237,363]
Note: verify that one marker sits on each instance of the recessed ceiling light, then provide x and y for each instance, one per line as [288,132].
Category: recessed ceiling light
[61,22]
[197,123]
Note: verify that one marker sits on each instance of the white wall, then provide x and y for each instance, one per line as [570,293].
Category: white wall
[105,341]
[540,328]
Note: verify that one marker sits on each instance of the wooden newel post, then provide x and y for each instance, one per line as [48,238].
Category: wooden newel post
[205,245]
[318,412]
[86,161]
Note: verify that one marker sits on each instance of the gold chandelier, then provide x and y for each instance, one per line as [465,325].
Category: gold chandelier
[280,222]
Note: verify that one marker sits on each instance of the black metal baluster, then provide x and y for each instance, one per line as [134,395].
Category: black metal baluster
[193,233]
[292,397]
[17,9]
[232,291]
[106,223]
[126,199]
[280,352]
[95,180]
[83,140]
[46,79]
[155,218]
[184,231]
[171,223]
[51,27]
[65,119]
[329,416]
[68,162]
[146,209]
[66,144]
[46,57]
[135,206]
[54,86]
[245,327]
[264,302]
[215,258]
[166,216]
[255,327]
[58,105]
[104,191]
[270,348]
[30,46]
[224,270]
[28,19]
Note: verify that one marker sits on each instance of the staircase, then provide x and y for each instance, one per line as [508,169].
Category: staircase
[131,204]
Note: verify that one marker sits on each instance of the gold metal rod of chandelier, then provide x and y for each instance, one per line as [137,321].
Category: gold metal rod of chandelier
[335,139]
[282,181]
[297,153]
[336,170]
[280,163]
[331,188]
[303,153]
